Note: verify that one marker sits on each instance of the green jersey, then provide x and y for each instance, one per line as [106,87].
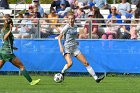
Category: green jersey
[7,45]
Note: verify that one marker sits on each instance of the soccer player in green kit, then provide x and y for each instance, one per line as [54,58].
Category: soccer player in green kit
[6,50]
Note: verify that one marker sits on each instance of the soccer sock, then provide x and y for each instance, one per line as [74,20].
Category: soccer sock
[91,72]
[64,69]
[26,75]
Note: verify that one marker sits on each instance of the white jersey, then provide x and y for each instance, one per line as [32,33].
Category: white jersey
[70,34]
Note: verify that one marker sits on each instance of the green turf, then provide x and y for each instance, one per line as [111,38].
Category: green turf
[18,84]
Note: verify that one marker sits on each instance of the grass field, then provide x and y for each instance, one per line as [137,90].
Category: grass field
[18,84]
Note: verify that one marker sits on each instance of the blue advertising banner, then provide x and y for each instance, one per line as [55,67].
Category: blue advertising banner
[121,56]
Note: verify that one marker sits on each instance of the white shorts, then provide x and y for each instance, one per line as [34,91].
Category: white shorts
[74,51]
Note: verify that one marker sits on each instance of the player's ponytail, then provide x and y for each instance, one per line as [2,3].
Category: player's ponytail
[7,22]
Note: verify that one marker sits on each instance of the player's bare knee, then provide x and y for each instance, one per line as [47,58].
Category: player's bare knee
[86,64]
[21,67]
[1,64]
[69,65]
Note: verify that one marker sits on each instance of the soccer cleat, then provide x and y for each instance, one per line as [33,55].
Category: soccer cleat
[99,79]
[34,82]
[63,76]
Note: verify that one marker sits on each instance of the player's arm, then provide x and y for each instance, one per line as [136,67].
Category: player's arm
[60,43]
[63,31]
[8,33]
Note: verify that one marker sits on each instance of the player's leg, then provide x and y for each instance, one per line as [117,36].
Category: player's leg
[19,64]
[69,63]
[82,59]
[1,63]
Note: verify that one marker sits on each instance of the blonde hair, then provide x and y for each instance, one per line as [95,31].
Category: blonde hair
[35,9]
[71,12]
[133,22]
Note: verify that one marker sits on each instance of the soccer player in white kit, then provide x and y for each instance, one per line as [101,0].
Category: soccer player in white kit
[69,48]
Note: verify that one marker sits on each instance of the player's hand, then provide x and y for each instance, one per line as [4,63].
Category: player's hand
[77,43]
[15,48]
[11,27]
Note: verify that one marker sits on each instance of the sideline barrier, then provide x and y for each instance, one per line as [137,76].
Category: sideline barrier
[121,56]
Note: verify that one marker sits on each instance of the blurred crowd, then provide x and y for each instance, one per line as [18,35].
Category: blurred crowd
[121,22]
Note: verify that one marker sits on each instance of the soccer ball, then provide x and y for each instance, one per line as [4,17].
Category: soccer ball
[58,78]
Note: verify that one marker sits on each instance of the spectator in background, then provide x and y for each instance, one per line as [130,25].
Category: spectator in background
[85,34]
[136,12]
[61,11]
[79,12]
[31,10]
[124,8]
[74,4]
[25,30]
[101,4]
[35,15]
[114,13]
[4,4]
[54,21]
[91,9]
[36,3]
[45,30]
[90,4]
[97,14]
[64,11]
[112,29]
[20,16]
[35,20]
[53,15]
[125,29]
[56,4]
[70,1]
[137,16]
[87,5]
[136,28]
[84,1]
[135,2]
[133,29]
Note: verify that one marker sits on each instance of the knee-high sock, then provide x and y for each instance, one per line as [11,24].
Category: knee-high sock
[64,69]
[91,71]
[26,75]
